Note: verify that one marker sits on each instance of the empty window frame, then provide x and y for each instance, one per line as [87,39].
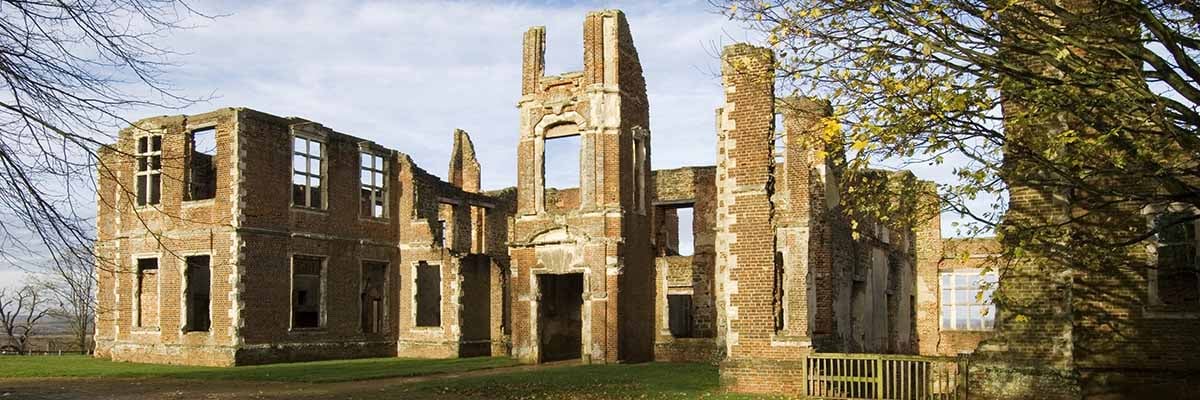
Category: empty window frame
[561,162]
[687,239]
[307,174]
[444,229]
[373,299]
[199,286]
[1175,281]
[149,169]
[201,173]
[147,293]
[307,288]
[373,179]
[679,315]
[428,298]
[966,300]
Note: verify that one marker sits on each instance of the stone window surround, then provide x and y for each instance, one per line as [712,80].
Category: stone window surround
[136,292]
[385,186]
[323,174]
[292,292]
[539,148]
[148,134]
[191,129]
[183,292]
[412,311]
[1154,308]
[941,299]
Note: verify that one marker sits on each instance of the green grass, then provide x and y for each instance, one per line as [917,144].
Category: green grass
[315,372]
[640,381]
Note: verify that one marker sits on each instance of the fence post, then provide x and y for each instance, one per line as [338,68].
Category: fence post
[879,377]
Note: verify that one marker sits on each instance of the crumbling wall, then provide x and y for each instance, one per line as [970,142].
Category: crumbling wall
[600,229]
[168,231]
[686,275]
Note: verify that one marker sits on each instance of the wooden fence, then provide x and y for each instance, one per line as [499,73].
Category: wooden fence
[884,376]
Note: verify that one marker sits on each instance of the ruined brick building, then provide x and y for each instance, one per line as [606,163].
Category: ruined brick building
[237,237]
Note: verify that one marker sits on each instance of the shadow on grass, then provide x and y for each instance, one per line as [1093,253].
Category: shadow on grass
[313,372]
[642,381]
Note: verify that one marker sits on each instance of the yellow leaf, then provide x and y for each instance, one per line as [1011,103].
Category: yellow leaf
[859,145]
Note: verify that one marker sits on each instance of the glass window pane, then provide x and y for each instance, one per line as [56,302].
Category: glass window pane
[314,148]
[298,145]
[143,164]
[947,296]
[379,179]
[314,194]
[364,160]
[364,201]
[299,163]
[314,166]
[155,162]
[141,190]
[963,280]
[364,177]
[155,185]
[298,194]
[156,143]
[378,210]
[142,145]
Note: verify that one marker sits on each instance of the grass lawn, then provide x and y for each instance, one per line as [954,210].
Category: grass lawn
[315,372]
[638,381]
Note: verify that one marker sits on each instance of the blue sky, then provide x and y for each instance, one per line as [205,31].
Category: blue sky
[406,74]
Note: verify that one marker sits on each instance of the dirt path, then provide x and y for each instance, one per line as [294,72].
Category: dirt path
[170,388]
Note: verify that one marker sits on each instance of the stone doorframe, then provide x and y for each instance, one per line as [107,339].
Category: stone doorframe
[585,312]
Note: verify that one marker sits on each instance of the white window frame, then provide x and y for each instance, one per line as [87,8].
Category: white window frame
[962,309]
[308,173]
[379,188]
[150,154]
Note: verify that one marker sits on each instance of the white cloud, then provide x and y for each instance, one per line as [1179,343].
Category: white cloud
[407,74]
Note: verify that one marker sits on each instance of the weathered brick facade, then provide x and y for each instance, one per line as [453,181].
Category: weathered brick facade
[252,230]
[599,232]
[324,245]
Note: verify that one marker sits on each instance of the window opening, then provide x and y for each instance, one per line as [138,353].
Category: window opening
[306,172]
[967,300]
[306,291]
[429,295]
[199,282]
[147,293]
[201,175]
[373,178]
[149,172]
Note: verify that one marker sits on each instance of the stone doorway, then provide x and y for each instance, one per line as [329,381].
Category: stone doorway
[560,316]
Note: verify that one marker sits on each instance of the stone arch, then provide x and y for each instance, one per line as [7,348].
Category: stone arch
[547,123]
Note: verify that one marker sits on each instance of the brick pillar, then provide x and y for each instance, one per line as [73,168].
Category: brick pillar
[745,231]
[534,55]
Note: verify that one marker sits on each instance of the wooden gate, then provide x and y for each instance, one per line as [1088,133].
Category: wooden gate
[884,376]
